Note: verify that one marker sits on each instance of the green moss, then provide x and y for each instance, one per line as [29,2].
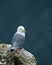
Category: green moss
[17,61]
[11,58]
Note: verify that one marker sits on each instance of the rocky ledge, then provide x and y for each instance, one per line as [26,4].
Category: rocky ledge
[18,57]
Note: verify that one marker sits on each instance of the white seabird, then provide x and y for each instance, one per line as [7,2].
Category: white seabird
[18,38]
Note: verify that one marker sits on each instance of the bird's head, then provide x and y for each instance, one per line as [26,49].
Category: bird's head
[21,29]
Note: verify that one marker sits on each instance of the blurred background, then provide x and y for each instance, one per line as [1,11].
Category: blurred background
[36,17]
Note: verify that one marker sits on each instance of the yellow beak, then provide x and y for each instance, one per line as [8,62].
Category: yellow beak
[24,31]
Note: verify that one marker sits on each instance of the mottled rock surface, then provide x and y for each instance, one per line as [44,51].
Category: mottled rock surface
[18,57]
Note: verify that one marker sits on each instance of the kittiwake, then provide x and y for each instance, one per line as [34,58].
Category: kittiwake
[18,38]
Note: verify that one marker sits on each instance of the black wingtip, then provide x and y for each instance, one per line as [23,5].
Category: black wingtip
[12,50]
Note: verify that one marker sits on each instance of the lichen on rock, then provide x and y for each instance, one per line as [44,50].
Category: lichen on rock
[18,57]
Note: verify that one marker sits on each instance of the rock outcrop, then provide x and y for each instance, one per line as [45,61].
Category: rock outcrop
[18,57]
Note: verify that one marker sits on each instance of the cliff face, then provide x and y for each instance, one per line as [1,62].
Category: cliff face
[18,57]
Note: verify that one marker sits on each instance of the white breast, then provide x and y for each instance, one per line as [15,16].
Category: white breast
[23,34]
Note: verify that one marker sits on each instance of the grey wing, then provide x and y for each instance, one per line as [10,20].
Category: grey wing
[18,40]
